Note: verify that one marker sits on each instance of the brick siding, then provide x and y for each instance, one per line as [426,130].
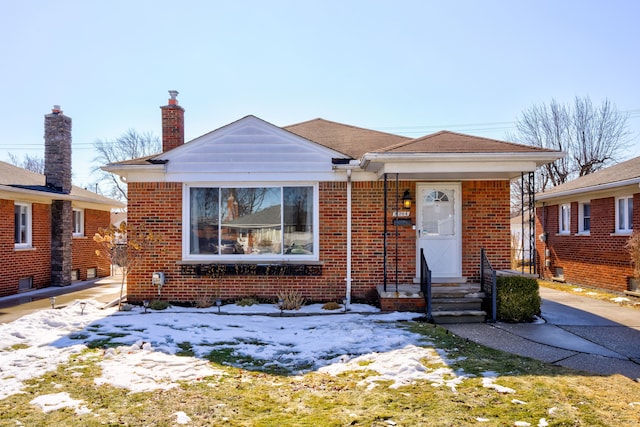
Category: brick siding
[598,259]
[158,208]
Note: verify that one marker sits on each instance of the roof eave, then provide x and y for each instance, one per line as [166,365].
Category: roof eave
[588,189]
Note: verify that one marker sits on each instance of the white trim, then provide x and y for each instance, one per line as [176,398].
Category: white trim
[28,243]
[629,220]
[186,222]
[79,233]
[564,219]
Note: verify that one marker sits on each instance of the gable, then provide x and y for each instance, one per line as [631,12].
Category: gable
[249,149]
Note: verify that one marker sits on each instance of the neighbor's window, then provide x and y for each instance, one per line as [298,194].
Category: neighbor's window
[263,222]
[564,216]
[584,225]
[624,214]
[22,225]
[78,222]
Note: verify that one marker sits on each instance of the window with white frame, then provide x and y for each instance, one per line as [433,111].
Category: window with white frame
[584,217]
[564,217]
[78,222]
[276,222]
[22,225]
[624,214]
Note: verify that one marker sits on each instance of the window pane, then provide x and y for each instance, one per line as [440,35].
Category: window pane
[298,220]
[586,217]
[204,220]
[630,213]
[622,224]
[251,221]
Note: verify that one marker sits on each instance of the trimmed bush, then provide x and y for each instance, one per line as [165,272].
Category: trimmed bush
[518,299]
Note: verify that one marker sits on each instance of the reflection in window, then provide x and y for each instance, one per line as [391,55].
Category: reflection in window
[251,221]
[438,214]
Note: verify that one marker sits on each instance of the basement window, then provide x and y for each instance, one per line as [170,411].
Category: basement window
[91,273]
[25,284]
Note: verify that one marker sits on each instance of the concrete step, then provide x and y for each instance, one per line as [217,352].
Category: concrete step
[452,304]
[458,316]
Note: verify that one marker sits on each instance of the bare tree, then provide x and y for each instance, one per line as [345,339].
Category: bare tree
[30,163]
[129,145]
[593,137]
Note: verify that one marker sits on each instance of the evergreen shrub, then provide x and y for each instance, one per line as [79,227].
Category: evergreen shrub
[518,299]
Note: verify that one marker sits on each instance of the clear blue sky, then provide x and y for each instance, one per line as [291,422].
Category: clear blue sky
[407,67]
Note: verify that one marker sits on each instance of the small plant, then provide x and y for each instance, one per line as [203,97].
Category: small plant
[158,305]
[247,302]
[331,305]
[518,299]
[290,300]
[633,246]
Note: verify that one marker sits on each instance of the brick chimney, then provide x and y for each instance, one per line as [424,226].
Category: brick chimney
[172,123]
[57,150]
[57,170]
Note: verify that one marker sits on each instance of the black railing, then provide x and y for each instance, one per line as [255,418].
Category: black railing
[488,286]
[425,284]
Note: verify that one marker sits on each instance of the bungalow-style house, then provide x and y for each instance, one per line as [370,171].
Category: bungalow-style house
[583,226]
[326,209]
[48,224]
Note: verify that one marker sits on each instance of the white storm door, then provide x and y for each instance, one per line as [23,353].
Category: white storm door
[439,228]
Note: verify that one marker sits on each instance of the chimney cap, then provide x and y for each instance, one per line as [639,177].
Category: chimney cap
[56,109]
[173,100]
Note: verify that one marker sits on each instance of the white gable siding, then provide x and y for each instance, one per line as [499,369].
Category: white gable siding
[251,150]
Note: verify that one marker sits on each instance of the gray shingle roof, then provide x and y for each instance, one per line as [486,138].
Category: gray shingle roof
[620,173]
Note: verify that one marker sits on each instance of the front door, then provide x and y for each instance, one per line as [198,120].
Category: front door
[439,228]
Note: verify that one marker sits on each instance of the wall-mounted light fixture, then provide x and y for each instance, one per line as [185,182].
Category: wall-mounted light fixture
[406,200]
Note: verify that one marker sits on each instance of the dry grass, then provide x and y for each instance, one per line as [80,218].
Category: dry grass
[251,398]
[594,293]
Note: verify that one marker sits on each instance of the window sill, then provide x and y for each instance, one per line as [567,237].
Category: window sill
[79,236]
[583,233]
[563,234]
[622,233]
[24,248]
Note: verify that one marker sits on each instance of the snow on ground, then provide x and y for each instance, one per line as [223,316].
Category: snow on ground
[146,360]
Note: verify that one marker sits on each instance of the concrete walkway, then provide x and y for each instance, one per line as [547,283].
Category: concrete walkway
[579,332]
[104,290]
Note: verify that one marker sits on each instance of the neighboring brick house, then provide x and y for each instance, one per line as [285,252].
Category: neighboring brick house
[583,226]
[251,209]
[47,223]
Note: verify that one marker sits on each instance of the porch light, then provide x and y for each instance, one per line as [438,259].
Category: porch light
[52,301]
[406,200]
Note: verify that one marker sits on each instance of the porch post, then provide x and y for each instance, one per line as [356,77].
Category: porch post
[384,237]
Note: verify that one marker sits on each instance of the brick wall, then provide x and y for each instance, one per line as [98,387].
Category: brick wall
[84,248]
[485,224]
[597,260]
[36,262]
[158,207]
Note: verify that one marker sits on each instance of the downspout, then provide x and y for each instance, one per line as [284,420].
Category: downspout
[348,279]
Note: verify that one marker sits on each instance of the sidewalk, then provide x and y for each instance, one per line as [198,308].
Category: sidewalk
[104,290]
[579,332]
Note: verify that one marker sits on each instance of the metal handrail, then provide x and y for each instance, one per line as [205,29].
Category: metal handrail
[488,286]
[425,284]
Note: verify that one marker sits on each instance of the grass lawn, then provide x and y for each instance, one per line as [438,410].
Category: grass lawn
[525,391]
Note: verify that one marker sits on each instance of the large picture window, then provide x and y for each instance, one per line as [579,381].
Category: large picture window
[244,222]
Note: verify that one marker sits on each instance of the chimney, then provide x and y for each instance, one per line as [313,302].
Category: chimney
[172,123]
[57,170]
[57,150]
